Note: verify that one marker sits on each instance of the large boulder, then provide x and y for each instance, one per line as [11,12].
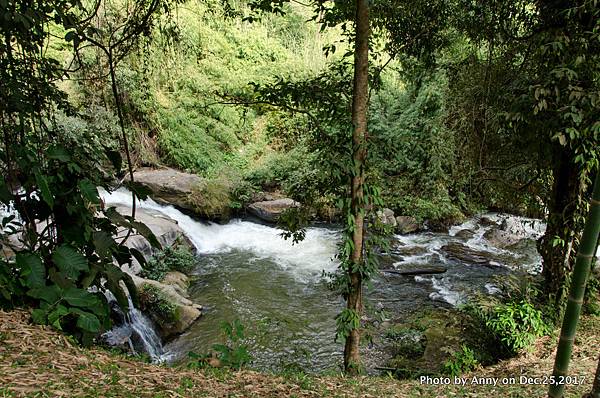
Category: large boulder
[500,238]
[166,305]
[271,210]
[467,255]
[406,225]
[386,217]
[166,230]
[169,186]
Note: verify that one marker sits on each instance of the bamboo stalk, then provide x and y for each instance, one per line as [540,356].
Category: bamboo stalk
[580,275]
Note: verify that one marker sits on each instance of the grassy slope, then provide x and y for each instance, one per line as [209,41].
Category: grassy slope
[36,361]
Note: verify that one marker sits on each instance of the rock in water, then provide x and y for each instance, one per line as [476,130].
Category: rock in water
[406,225]
[169,186]
[271,210]
[166,230]
[460,252]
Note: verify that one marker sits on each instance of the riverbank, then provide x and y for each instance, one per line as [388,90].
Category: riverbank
[38,361]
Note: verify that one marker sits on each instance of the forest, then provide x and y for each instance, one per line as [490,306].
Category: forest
[300,198]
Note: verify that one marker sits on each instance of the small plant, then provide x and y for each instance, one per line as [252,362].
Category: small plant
[461,361]
[233,353]
[176,257]
[154,302]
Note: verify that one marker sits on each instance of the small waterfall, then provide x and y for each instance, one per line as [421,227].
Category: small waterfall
[137,332]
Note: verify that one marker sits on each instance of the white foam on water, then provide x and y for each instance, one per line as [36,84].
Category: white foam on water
[308,258]
[445,292]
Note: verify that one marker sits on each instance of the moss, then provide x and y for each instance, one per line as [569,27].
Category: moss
[161,310]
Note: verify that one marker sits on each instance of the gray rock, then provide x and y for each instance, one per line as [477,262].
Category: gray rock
[406,225]
[186,312]
[458,251]
[271,210]
[169,186]
[500,238]
[465,234]
[166,230]
[386,217]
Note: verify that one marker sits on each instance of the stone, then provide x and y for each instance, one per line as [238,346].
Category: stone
[169,186]
[166,230]
[186,312]
[271,210]
[500,238]
[458,251]
[386,217]
[465,234]
[406,225]
[178,280]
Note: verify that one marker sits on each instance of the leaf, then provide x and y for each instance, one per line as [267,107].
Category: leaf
[55,316]
[116,218]
[138,256]
[103,242]
[32,269]
[140,190]
[89,191]
[59,153]
[69,261]
[86,321]
[39,316]
[79,297]
[143,230]
[50,294]
[42,183]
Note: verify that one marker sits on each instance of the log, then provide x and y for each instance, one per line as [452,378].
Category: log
[416,271]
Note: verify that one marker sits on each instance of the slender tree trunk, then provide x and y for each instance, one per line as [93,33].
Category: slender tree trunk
[558,259]
[581,272]
[360,102]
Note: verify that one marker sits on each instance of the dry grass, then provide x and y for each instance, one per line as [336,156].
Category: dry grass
[36,361]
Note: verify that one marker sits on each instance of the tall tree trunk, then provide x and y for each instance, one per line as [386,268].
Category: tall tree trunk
[360,100]
[563,206]
[586,252]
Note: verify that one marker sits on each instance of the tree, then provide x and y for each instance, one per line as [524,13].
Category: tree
[360,104]
[586,252]
[63,237]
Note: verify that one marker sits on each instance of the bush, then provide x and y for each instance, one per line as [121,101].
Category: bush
[159,308]
[173,258]
[462,361]
[511,323]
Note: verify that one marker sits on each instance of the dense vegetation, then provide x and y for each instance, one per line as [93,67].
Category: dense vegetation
[471,105]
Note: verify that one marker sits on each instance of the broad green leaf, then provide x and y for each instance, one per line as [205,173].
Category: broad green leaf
[79,297]
[39,316]
[32,269]
[86,321]
[42,183]
[143,230]
[89,191]
[103,243]
[50,294]
[69,261]
[55,316]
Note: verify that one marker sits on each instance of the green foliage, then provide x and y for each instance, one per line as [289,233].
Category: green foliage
[52,162]
[233,353]
[176,257]
[510,324]
[462,361]
[154,302]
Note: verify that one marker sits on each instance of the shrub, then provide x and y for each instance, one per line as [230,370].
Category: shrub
[176,257]
[153,302]
[462,361]
[511,323]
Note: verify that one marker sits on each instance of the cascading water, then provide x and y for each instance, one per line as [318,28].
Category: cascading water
[136,331]
[247,271]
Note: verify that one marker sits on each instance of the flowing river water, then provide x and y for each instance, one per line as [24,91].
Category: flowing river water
[246,271]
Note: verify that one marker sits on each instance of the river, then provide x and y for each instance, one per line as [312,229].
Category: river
[247,271]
